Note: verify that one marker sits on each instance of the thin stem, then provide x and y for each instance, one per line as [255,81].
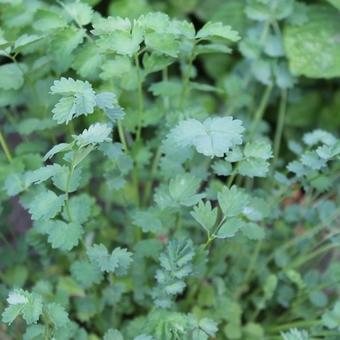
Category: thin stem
[261,109]
[249,271]
[154,167]
[67,190]
[280,125]
[166,102]
[140,98]
[231,178]
[313,254]
[294,241]
[5,147]
[295,324]
[122,135]
[186,83]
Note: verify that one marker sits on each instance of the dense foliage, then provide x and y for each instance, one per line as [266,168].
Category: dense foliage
[170,169]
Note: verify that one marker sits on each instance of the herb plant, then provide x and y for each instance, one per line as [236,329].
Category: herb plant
[170,169]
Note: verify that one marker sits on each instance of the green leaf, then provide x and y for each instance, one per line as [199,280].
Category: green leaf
[113,334]
[148,221]
[222,168]
[46,205]
[97,133]
[21,302]
[61,178]
[312,48]
[87,61]
[80,208]
[253,167]
[57,315]
[81,13]
[335,3]
[46,20]
[253,231]
[232,201]
[64,42]
[213,137]
[86,273]
[64,236]
[40,175]
[14,184]
[258,149]
[230,228]
[176,263]
[331,318]
[30,125]
[116,262]
[25,40]
[217,30]
[11,76]
[205,215]
[183,190]
[295,334]
[56,149]
[163,43]
[80,99]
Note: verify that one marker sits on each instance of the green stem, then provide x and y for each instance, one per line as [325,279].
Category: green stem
[280,125]
[166,102]
[249,271]
[310,256]
[5,147]
[154,167]
[186,83]
[122,135]
[140,98]
[231,178]
[261,109]
[294,241]
[303,323]
[67,190]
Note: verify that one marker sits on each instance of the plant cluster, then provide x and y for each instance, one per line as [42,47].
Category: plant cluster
[170,170]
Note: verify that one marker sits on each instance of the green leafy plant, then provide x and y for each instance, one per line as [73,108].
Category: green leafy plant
[170,170]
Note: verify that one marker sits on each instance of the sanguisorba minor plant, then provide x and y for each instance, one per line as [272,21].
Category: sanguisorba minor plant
[155,214]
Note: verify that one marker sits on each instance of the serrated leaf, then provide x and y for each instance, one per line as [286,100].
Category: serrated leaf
[258,149]
[57,315]
[113,334]
[40,175]
[162,43]
[148,221]
[217,30]
[79,99]
[205,215]
[183,190]
[64,42]
[46,205]
[86,273]
[80,12]
[64,236]
[11,76]
[21,302]
[117,262]
[230,228]
[79,208]
[97,133]
[232,201]
[312,48]
[253,231]
[62,181]
[253,167]
[213,137]
[56,149]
